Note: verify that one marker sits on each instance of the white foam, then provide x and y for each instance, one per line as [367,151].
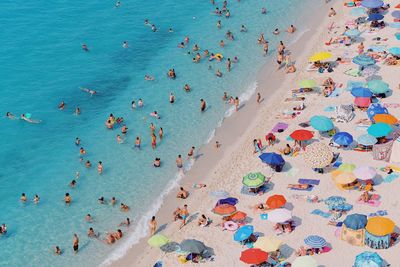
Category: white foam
[298,36]
[141,227]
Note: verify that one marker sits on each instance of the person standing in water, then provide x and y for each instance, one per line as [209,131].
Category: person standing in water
[203,105]
[191,153]
[171,98]
[153,225]
[258,98]
[236,102]
[161,133]
[179,162]
[100,167]
[75,243]
[153,141]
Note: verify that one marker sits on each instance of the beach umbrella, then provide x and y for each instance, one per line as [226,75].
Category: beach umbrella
[238,216]
[243,233]
[318,155]
[355,221]
[306,83]
[254,256]
[268,244]
[380,129]
[230,201]
[368,259]
[347,167]
[276,201]
[302,135]
[253,180]
[343,138]
[279,215]
[395,25]
[395,51]
[224,210]
[365,172]
[304,261]
[396,14]
[362,102]
[380,226]
[376,108]
[192,246]
[372,3]
[315,241]
[343,177]
[321,123]
[363,60]
[158,240]
[361,92]
[375,17]
[367,140]
[335,200]
[386,118]
[352,33]
[272,158]
[378,86]
[320,56]
[358,11]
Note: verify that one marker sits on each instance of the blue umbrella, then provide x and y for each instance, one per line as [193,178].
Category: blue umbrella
[374,109]
[368,259]
[352,33]
[321,123]
[358,11]
[243,233]
[332,200]
[356,221]
[361,92]
[375,17]
[230,200]
[367,140]
[315,241]
[272,158]
[343,138]
[379,129]
[396,14]
[363,60]
[372,3]
[395,51]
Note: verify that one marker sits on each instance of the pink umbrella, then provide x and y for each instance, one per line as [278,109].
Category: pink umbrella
[362,102]
[365,173]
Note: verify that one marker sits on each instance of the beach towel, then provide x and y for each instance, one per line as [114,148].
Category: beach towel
[378,213]
[390,178]
[280,127]
[337,164]
[335,93]
[309,181]
[321,213]
[301,189]
[329,109]
[372,203]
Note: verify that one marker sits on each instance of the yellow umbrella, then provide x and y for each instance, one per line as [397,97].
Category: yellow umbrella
[268,244]
[343,177]
[320,56]
[380,226]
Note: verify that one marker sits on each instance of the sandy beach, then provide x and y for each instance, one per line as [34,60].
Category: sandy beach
[223,168]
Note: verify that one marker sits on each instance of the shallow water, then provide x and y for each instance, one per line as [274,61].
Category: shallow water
[43,64]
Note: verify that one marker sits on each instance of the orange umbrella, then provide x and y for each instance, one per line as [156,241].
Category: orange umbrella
[276,201]
[224,210]
[254,256]
[385,118]
[302,135]
[238,216]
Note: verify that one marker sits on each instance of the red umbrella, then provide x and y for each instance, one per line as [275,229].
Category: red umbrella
[276,201]
[254,256]
[224,210]
[302,135]
[362,102]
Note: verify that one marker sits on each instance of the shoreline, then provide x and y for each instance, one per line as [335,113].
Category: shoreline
[231,134]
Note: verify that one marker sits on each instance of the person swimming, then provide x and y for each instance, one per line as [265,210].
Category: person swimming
[10,116]
[171,98]
[125,44]
[157,162]
[243,28]
[203,105]
[148,78]
[25,118]
[87,90]
[155,114]
[276,31]
[291,29]
[85,48]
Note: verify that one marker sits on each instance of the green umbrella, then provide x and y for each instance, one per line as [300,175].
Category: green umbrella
[158,240]
[254,180]
[321,123]
[307,83]
[347,167]
[378,86]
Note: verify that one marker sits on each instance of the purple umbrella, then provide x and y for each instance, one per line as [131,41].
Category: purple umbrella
[372,3]
[230,200]
[396,14]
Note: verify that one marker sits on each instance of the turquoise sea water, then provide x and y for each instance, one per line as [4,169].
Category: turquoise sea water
[42,64]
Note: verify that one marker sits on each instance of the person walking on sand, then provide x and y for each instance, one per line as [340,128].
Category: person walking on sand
[184,213]
[153,225]
[258,98]
[236,102]
[75,243]
[191,153]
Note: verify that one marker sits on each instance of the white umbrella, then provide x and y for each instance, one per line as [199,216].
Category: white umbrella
[279,215]
[365,172]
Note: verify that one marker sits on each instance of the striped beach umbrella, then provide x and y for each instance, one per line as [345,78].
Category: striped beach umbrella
[379,129]
[363,60]
[253,180]
[321,123]
[315,241]
[318,155]
[304,261]
[367,140]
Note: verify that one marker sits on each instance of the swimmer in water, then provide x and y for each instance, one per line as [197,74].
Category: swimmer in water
[23,198]
[263,10]
[218,73]
[125,44]
[125,223]
[36,199]
[157,162]
[10,116]
[161,133]
[148,78]
[203,105]
[171,98]
[72,184]
[77,141]
[291,29]
[137,142]
[77,111]
[170,30]
[118,4]
[61,106]
[155,114]
[153,28]
[140,103]
[276,31]
[87,90]
[186,88]
[243,29]
[57,250]
[85,48]
[23,117]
